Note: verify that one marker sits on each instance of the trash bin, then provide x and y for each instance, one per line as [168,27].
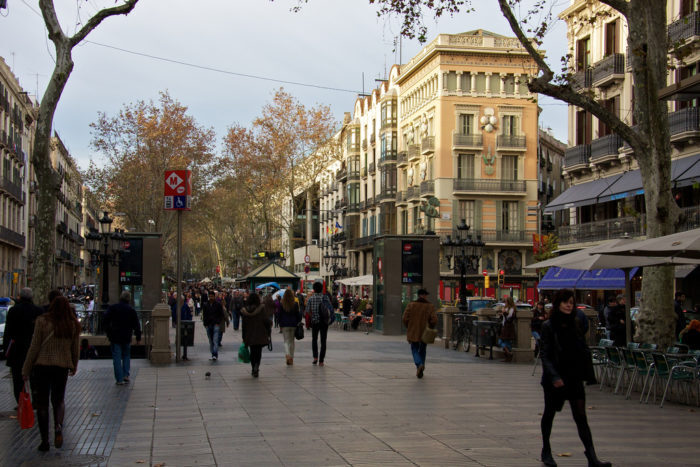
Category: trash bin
[187,333]
[485,336]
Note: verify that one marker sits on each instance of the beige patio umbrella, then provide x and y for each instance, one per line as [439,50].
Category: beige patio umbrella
[678,245]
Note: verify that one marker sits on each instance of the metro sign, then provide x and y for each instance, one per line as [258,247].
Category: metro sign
[178,190]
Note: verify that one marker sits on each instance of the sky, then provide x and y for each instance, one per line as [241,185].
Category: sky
[335,48]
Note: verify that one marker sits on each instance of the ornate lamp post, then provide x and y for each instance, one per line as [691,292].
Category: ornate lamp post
[105,247]
[335,262]
[466,254]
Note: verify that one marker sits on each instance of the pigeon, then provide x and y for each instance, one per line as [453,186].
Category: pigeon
[207,375]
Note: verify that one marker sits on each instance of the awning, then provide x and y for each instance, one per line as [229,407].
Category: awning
[684,172]
[604,279]
[582,194]
[560,278]
[357,280]
[630,184]
[682,271]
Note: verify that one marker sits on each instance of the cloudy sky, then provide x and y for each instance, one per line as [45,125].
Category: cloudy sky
[199,52]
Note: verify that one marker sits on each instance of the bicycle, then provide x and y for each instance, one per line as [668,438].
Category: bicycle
[461,332]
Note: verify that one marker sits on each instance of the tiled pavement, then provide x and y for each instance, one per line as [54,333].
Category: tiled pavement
[365,407]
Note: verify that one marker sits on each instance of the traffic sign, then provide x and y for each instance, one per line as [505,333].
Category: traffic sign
[307,259]
[307,269]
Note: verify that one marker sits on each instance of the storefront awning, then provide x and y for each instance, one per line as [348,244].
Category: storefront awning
[684,172]
[603,279]
[582,194]
[559,278]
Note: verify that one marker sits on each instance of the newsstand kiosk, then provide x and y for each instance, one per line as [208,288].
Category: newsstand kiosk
[402,265]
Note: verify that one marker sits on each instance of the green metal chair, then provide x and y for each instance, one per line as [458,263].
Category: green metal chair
[627,366]
[633,345]
[680,372]
[613,364]
[648,346]
[641,368]
[600,360]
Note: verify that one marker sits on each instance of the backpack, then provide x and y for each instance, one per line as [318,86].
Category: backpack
[325,311]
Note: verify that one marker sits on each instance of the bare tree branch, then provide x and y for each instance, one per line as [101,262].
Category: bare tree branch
[95,21]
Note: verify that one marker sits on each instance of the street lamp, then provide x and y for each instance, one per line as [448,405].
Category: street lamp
[466,254]
[335,261]
[105,247]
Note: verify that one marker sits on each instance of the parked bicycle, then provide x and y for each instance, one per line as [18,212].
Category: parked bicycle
[462,332]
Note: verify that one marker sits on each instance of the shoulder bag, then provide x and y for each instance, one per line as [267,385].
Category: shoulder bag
[429,335]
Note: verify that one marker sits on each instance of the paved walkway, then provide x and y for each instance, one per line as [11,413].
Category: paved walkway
[365,407]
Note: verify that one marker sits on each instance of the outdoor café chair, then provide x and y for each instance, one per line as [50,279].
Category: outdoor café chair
[627,366]
[641,368]
[648,346]
[681,372]
[613,364]
[633,345]
[598,356]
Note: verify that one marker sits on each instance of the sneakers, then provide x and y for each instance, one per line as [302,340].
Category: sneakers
[419,371]
[214,358]
[315,361]
[126,379]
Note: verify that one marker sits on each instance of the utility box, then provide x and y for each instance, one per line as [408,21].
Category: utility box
[402,265]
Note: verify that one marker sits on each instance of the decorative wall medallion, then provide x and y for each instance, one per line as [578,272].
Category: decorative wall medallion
[489,162]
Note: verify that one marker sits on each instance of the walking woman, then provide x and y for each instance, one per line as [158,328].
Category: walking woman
[290,316]
[257,326]
[566,364]
[507,336]
[53,355]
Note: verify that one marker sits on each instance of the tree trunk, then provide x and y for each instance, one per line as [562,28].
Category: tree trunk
[49,181]
[649,55]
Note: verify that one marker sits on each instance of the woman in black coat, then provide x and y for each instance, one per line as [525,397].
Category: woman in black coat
[566,364]
[257,325]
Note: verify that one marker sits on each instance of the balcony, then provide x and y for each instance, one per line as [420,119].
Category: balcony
[341,175]
[372,138]
[372,167]
[12,189]
[505,236]
[601,230]
[412,192]
[402,159]
[609,70]
[427,188]
[577,157]
[367,240]
[370,202]
[11,237]
[353,175]
[353,147]
[363,172]
[684,124]
[62,227]
[401,197]
[387,194]
[511,142]
[387,157]
[605,148]
[467,141]
[428,145]
[364,144]
[353,208]
[488,186]
[582,80]
[413,152]
[684,32]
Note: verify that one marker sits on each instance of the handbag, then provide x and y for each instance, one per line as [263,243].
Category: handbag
[25,412]
[429,335]
[243,354]
[299,332]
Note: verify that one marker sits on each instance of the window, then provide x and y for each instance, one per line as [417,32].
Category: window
[509,168]
[404,222]
[373,225]
[688,7]
[583,54]
[465,83]
[388,113]
[466,212]
[465,166]
[612,37]
[682,73]
[416,218]
[509,219]
[364,227]
[451,81]
[584,124]
[466,124]
[509,126]
[611,105]
[509,84]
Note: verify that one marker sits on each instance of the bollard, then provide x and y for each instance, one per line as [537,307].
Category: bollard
[160,352]
[522,350]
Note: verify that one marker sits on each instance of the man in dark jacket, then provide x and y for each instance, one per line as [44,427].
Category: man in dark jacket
[19,328]
[416,317]
[212,316]
[617,317]
[678,308]
[119,322]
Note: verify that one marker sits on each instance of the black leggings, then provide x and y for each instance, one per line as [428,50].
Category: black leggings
[578,410]
[49,381]
[255,356]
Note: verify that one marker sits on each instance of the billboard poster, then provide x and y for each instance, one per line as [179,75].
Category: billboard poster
[131,262]
[411,262]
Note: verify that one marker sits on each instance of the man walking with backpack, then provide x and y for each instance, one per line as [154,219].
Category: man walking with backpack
[321,311]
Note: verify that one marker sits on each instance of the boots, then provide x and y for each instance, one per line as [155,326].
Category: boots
[547,458]
[289,359]
[593,460]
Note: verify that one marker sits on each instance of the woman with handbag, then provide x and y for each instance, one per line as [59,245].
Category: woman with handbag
[566,364]
[257,328]
[53,355]
[289,318]
[418,316]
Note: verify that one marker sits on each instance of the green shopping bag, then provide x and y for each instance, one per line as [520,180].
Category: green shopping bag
[243,354]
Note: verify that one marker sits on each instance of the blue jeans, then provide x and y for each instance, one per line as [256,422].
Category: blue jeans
[505,343]
[121,359]
[213,335]
[418,350]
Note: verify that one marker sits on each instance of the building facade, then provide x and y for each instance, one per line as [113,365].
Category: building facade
[606,196]
[550,182]
[17,116]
